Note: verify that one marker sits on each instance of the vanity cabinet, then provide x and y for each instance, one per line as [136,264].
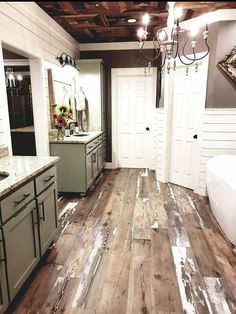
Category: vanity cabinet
[48,217]
[3,279]
[46,197]
[79,163]
[21,246]
[29,221]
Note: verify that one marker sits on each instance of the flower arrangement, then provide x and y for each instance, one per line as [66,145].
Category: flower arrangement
[61,119]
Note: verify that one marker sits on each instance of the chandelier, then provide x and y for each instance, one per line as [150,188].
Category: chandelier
[13,82]
[172,43]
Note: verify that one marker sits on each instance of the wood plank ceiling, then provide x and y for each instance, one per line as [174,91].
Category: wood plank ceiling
[106,21]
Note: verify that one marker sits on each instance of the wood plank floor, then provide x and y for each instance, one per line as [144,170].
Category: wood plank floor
[134,245]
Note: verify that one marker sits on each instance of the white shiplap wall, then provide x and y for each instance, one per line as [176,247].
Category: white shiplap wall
[160,143]
[28,30]
[218,137]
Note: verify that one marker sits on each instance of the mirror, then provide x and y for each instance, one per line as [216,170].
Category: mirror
[67,99]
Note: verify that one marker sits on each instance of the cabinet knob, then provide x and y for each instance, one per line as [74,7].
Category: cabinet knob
[195,136]
[147,128]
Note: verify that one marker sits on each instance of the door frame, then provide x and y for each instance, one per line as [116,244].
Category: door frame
[205,64]
[115,74]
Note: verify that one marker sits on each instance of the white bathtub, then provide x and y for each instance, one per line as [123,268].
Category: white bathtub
[221,189]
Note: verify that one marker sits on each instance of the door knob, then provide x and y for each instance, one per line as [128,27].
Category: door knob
[195,136]
[147,128]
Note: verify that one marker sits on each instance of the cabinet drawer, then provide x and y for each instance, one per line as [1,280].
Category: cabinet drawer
[90,146]
[45,179]
[11,204]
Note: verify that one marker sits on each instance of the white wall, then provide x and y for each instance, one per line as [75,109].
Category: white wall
[218,136]
[26,29]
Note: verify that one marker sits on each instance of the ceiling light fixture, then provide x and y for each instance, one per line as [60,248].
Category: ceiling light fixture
[67,60]
[13,82]
[172,43]
[131,20]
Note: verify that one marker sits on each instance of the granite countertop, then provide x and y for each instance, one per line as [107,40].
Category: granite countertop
[21,169]
[78,139]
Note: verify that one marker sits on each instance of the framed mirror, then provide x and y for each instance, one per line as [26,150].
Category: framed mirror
[228,64]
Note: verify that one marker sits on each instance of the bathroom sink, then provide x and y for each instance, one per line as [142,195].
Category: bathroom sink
[3,175]
[81,134]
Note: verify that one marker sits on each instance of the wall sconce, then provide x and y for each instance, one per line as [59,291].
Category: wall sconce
[13,82]
[66,60]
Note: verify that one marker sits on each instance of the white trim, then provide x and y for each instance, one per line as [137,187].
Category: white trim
[109,165]
[14,62]
[115,72]
[132,45]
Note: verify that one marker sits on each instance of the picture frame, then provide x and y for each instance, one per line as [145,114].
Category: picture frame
[228,64]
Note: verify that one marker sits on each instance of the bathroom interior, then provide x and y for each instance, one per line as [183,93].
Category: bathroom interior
[117,177]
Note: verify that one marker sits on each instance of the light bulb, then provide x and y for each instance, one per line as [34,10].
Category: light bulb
[141,33]
[193,31]
[19,77]
[11,77]
[146,19]
[178,13]
[162,35]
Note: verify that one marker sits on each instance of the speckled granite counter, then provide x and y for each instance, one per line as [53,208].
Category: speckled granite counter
[21,169]
[78,139]
[3,151]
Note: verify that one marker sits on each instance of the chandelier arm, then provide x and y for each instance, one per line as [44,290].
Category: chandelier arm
[147,58]
[196,59]
[185,62]
[208,50]
[163,64]
[177,46]
[190,59]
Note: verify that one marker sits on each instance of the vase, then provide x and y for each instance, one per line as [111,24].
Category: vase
[60,134]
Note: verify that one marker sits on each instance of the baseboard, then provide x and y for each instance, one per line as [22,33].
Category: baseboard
[109,165]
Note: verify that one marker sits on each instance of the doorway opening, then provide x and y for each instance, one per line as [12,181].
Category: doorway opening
[20,106]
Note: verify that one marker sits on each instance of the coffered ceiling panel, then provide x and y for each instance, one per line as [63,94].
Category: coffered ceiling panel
[101,21]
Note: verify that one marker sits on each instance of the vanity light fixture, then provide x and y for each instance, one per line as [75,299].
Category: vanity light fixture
[172,42]
[67,60]
[13,82]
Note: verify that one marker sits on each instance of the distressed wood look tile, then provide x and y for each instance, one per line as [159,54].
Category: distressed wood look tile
[97,267]
[177,231]
[139,291]
[224,256]
[40,288]
[109,289]
[191,285]
[202,250]
[186,204]
[142,220]
[204,210]
[222,300]
[164,280]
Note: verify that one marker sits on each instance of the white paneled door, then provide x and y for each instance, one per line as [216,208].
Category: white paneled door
[134,114]
[188,106]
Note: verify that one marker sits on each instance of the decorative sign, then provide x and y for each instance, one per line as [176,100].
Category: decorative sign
[228,64]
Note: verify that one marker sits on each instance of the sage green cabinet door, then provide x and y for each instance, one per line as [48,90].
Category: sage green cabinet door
[48,217]
[103,153]
[89,169]
[22,249]
[100,158]
[3,279]
[95,163]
